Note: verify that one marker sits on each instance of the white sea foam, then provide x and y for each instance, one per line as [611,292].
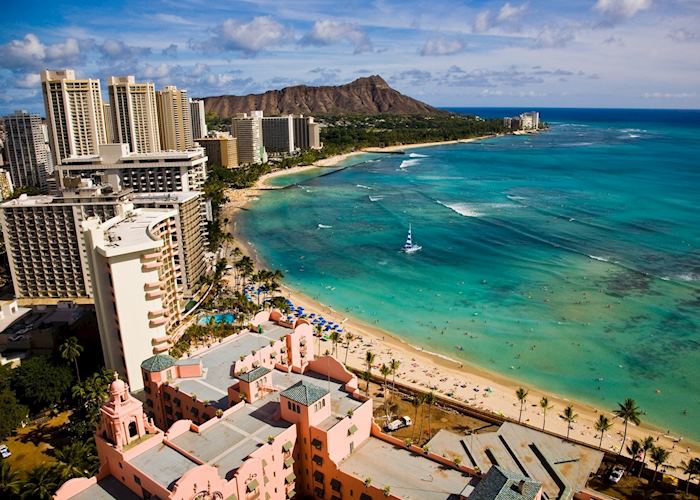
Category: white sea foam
[324,226]
[601,259]
[464,209]
[515,198]
[688,277]
[409,163]
[364,187]
[417,155]
[376,198]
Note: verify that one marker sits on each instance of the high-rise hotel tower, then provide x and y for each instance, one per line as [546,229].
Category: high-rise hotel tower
[74,112]
[135,115]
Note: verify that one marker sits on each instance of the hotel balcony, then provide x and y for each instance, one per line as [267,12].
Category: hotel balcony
[149,256]
[150,266]
[157,313]
[154,294]
[161,348]
[153,285]
[154,323]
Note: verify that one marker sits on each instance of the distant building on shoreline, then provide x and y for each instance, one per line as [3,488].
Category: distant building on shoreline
[247,129]
[221,148]
[525,121]
[278,134]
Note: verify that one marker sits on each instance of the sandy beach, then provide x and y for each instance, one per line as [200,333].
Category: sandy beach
[466,383]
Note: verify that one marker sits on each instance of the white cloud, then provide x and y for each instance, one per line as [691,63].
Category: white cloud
[507,17]
[442,47]
[30,53]
[482,22]
[551,36]
[619,10]
[116,50]
[261,33]
[682,35]
[29,81]
[510,12]
[329,32]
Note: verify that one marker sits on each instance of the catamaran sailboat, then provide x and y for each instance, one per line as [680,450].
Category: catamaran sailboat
[409,246]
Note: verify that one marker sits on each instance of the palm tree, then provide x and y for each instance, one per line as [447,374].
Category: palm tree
[416,402]
[602,425]
[544,404]
[394,365]
[71,351]
[430,401]
[385,371]
[245,269]
[10,482]
[42,482]
[691,468]
[569,417]
[77,459]
[348,338]
[658,456]
[369,361]
[628,411]
[634,450]
[647,445]
[335,338]
[521,394]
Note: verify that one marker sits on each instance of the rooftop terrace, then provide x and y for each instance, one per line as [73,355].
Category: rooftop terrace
[410,476]
[562,467]
[108,488]
[163,464]
[218,360]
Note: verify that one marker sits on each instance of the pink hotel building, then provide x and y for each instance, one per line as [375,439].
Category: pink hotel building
[257,416]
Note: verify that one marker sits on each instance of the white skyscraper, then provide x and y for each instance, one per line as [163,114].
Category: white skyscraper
[74,112]
[28,156]
[199,122]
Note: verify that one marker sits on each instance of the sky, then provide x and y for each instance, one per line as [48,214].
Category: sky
[534,53]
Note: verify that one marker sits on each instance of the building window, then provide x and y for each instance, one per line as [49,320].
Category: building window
[335,484]
[137,480]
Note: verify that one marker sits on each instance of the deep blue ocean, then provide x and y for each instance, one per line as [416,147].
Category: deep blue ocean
[568,260]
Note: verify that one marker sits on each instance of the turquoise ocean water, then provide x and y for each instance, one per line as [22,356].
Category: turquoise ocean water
[569,260]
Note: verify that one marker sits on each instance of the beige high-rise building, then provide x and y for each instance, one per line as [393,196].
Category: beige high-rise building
[134,114]
[174,119]
[199,122]
[138,301]
[75,114]
[307,133]
[221,149]
[247,129]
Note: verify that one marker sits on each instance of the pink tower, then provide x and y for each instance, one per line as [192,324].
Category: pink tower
[122,416]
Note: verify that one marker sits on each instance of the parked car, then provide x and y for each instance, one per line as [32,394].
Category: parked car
[5,451]
[397,424]
[616,474]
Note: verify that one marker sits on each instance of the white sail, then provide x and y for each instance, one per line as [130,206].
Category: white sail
[409,247]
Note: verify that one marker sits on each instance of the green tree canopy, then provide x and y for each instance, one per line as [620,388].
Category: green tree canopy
[11,412]
[39,382]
